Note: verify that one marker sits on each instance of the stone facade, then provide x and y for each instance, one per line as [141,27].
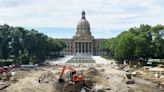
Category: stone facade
[83,41]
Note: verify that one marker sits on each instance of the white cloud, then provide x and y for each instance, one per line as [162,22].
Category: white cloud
[102,14]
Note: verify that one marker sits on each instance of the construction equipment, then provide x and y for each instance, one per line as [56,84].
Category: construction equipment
[72,75]
[4,69]
[5,73]
[129,79]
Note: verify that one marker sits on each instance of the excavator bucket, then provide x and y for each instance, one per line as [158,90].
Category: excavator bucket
[61,80]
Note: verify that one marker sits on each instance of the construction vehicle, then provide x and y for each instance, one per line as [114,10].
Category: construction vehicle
[71,75]
[5,73]
[4,69]
[129,78]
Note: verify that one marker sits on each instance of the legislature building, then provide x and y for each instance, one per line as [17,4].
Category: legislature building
[83,41]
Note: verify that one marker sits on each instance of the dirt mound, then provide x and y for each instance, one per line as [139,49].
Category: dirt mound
[91,72]
[30,83]
[27,90]
[99,80]
[69,87]
[47,77]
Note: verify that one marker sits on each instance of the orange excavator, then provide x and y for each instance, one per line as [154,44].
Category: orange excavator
[72,75]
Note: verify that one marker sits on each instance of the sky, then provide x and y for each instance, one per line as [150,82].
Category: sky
[59,18]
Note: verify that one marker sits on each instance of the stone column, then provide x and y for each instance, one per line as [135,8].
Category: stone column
[81,47]
[88,47]
[77,47]
[91,48]
[74,48]
[84,47]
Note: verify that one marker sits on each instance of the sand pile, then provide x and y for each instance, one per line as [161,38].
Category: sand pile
[99,80]
[66,87]
[69,87]
[30,83]
[91,72]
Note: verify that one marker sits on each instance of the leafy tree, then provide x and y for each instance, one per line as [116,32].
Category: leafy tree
[27,45]
[138,42]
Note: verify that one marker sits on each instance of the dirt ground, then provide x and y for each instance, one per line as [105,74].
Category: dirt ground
[28,82]
[113,80]
[117,82]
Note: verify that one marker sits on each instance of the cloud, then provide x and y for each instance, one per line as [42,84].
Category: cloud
[12,3]
[103,15]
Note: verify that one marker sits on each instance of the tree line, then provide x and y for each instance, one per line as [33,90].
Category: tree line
[137,43]
[23,46]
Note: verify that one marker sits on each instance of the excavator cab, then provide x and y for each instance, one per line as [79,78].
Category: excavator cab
[77,78]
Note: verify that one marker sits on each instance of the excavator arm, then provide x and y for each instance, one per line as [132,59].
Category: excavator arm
[61,80]
[62,72]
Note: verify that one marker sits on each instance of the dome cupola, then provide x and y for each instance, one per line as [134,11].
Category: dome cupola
[83,26]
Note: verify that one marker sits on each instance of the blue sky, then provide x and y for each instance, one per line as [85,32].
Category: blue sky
[58,18]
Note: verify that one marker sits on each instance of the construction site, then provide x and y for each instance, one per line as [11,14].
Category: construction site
[102,75]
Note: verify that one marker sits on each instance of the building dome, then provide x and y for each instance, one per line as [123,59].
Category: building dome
[83,23]
[83,26]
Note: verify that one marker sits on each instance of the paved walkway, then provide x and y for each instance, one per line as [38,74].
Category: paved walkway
[98,60]
[60,60]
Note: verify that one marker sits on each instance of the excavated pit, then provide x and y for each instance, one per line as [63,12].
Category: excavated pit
[91,75]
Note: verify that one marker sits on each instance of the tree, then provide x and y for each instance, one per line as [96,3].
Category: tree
[125,47]
[137,43]
[27,45]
